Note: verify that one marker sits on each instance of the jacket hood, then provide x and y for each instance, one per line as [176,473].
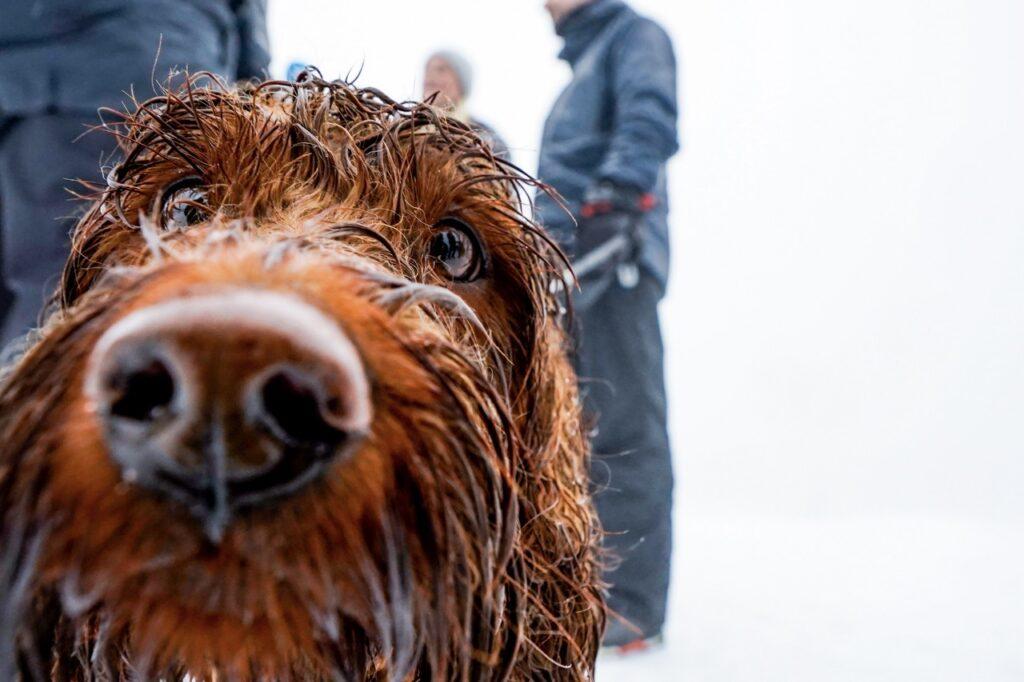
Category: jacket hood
[584,24]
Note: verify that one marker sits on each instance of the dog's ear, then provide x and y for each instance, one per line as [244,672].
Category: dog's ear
[33,390]
[559,528]
[20,546]
[27,391]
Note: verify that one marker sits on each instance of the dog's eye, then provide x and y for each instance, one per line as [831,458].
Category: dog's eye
[456,247]
[184,203]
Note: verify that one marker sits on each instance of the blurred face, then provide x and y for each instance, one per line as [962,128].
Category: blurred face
[559,9]
[440,77]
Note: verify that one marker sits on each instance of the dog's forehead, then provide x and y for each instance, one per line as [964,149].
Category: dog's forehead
[275,106]
[333,166]
[328,133]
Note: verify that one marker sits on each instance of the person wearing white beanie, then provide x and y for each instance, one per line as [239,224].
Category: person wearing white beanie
[448,78]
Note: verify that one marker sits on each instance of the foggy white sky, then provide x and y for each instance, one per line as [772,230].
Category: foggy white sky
[846,315]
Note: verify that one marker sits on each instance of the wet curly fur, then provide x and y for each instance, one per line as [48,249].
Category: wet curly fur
[458,543]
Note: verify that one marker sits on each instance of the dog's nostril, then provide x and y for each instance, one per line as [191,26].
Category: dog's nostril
[295,407]
[142,393]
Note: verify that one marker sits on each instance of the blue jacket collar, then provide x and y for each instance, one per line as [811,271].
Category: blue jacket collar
[584,24]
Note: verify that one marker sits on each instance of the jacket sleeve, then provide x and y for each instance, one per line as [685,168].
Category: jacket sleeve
[254,43]
[645,110]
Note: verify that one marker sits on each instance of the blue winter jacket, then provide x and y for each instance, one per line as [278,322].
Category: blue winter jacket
[77,55]
[616,120]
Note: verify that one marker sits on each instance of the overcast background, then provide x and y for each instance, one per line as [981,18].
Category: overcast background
[845,320]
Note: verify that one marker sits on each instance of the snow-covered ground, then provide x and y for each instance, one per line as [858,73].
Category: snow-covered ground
[897,599]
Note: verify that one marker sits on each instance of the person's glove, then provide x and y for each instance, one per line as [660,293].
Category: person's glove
[608,235]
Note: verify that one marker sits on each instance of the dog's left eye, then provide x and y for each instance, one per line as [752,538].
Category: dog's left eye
[456,247]
[184,203]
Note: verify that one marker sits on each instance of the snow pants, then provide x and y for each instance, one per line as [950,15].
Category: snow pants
[619,359]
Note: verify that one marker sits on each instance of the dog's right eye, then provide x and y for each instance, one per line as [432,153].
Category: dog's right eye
[184,203]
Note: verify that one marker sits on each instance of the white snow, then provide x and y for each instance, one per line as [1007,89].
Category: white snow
[869,599]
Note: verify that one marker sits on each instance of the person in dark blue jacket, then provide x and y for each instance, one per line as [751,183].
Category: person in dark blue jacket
[60,60]
[605,148]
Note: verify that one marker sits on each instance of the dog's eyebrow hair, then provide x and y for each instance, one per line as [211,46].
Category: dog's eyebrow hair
[360,229]
[411,293]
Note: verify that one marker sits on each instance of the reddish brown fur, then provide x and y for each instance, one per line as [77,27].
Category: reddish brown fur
[457,544]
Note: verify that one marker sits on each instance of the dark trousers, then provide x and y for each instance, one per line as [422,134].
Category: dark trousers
[620,363]
[39,161]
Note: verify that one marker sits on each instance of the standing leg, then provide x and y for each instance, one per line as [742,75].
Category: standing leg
[39,160]
[620,363]
[5,294]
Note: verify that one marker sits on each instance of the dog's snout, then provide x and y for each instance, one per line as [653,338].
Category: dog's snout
[228,400]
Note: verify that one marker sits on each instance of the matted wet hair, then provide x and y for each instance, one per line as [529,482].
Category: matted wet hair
[458,542]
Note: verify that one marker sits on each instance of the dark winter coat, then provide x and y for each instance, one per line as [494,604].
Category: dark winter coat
[616,121]
[492,138]
[77,55]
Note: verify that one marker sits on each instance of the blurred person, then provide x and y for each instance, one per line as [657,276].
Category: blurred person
[449,76]
[605,147]
[61,60]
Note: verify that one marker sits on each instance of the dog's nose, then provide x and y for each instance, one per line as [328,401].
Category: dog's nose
[228,400]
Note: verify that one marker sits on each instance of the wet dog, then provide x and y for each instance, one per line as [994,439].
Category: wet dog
[301,410]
